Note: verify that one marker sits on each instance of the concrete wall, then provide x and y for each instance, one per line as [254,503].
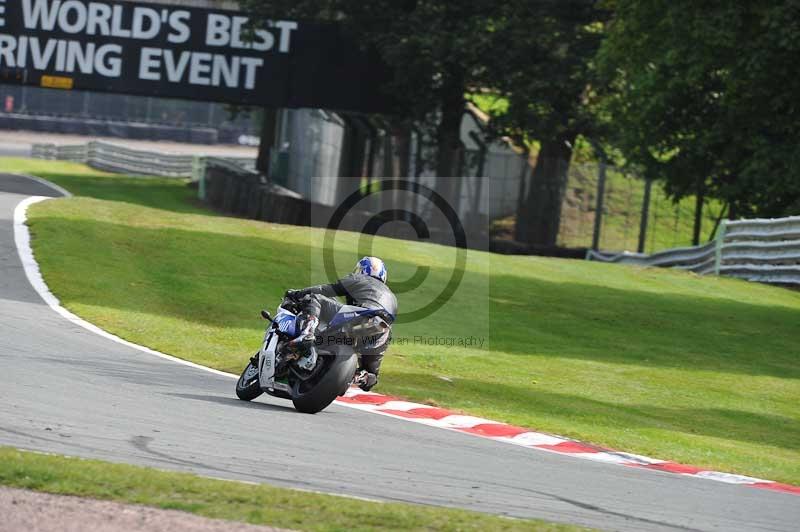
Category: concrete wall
[314,140]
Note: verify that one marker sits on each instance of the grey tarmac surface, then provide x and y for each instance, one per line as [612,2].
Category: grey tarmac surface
[68,391]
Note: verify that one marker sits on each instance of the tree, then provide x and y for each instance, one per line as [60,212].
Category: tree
[436,49]
[545,77]
[704,96]
[534,54]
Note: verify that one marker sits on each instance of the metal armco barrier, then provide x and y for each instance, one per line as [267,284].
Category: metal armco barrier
[123,129]
[113,158]
[763,250]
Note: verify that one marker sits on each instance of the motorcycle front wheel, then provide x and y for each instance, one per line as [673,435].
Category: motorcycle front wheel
[247,387]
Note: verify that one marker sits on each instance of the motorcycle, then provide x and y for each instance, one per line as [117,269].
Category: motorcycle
[311,378]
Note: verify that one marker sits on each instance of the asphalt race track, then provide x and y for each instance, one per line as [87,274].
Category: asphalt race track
[66,390]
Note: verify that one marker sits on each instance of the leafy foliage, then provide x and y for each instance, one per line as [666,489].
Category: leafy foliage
[704,95]
[533,54]
[545,74]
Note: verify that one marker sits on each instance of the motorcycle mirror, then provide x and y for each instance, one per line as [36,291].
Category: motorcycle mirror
[265,315]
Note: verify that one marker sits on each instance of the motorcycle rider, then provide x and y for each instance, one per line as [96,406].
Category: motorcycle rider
[365,287]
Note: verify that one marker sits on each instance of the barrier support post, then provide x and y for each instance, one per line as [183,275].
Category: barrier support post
[199,175]
[718,246]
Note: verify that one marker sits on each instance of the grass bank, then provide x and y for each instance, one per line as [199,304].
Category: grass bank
[698,370]
[237,501]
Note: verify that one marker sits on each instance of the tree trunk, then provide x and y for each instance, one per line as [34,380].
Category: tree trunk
[648,185]
[539,219]
[718,221]
[733,210]
[267,140]
[698,216]
[448,137]
[523,174]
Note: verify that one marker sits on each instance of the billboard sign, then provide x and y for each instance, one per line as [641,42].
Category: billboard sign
[182,52]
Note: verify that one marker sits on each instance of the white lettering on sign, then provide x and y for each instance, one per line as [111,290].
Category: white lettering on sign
[217,30]
[61,55]
[80,57]
[180,29]
[40,14]
[73,45]
[200,71]
[286,27]
[72,16]
[148,62]
[116,23]
[250,65]
[41,58]
[7,46]
[199,68]
[175,70]
[99,19]
[146,23]
[232,31]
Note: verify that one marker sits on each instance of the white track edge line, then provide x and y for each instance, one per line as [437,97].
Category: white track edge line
[22,239]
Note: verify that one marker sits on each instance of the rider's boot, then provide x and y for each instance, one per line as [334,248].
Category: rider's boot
[308,327]
[304,341]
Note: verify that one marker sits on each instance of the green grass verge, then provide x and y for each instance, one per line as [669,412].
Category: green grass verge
[79,179]
[237,501]
[659,362]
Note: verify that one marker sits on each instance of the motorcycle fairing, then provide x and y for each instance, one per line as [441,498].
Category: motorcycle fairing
[349,313]
[286,322]
[266,361]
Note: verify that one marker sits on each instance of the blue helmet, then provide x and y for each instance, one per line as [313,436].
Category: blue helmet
[372,266]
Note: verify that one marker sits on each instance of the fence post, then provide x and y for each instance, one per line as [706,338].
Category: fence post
[718,246]
[199,175]
[601,192]
[598,210]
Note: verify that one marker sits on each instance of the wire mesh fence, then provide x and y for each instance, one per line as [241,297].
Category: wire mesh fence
[669,224]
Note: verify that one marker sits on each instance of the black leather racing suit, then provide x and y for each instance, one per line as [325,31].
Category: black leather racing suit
[358,289]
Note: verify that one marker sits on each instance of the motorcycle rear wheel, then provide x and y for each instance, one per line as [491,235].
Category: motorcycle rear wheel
[311,399]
